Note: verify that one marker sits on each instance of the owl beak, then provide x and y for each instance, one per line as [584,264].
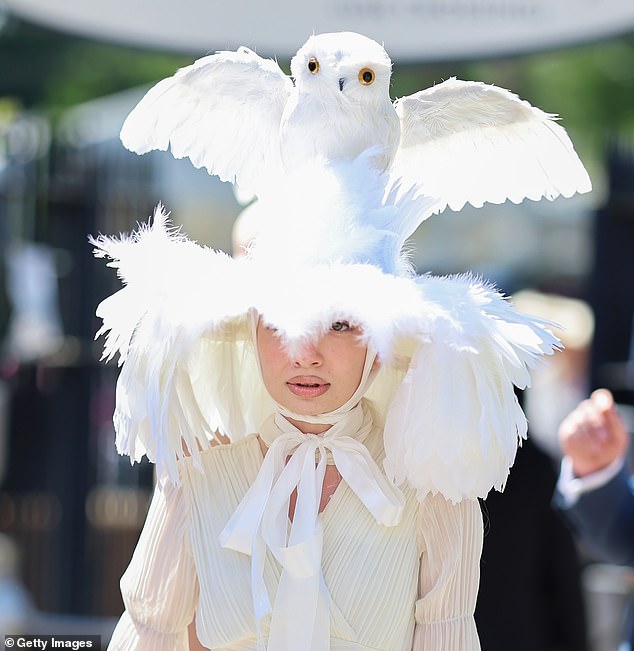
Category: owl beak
[341,82]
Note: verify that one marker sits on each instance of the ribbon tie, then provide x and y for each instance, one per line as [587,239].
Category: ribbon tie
[300,617]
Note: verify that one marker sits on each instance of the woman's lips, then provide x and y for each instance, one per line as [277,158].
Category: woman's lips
[307,386]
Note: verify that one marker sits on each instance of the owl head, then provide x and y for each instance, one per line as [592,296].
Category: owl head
[344,63]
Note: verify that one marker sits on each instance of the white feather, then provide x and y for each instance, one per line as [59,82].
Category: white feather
[174,292]
[240,117]
[331,114]
[470,142]
[455,423]
[451,349]
[223,112]
[338,211]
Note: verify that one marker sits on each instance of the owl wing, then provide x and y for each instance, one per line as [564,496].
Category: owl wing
[455,423]
[176,293]
[466,141]
[222,112]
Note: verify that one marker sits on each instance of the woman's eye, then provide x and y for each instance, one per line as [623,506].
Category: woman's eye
[340,326]
[366,76]
[313,66]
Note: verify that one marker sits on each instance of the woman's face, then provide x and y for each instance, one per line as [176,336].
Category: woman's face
[321,377]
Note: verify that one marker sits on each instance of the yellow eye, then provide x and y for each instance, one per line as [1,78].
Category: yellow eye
[313,66]
[366,76]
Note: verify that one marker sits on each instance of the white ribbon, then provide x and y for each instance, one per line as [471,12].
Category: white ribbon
[300,617]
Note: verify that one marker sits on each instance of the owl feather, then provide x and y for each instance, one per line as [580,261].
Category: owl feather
[240,117]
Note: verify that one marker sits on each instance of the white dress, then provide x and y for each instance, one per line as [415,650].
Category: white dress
[402,588]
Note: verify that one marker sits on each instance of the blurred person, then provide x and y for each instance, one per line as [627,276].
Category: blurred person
[558,386]
[529,555]
[530,558]
[595,491]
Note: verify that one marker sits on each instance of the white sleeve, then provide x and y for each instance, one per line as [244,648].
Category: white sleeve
[452,536]
[159,588]
[572,487]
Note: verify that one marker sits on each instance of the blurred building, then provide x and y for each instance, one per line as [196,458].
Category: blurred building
[612,277]
[72,505]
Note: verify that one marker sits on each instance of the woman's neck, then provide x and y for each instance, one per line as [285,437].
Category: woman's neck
[309,428]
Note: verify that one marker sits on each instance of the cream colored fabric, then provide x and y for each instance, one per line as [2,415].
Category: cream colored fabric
[159,588]
[295,461]
[409,587]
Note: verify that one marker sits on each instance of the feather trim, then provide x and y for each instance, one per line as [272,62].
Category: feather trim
[172,296]
[452,351]
[455,422]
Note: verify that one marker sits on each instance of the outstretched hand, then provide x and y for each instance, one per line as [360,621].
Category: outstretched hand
[593,434]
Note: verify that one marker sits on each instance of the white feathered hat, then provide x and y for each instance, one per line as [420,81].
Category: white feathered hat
[451,349]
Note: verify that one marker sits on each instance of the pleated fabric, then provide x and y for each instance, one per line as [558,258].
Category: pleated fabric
[403,588]
[159,588]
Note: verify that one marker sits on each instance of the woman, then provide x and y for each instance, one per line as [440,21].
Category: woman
[322,421]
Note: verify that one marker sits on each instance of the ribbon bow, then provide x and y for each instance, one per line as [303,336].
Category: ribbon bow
[300,617]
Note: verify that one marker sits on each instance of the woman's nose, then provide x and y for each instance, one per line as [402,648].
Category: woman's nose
[308,357]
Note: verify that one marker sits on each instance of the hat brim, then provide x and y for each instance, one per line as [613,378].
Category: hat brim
[451,349]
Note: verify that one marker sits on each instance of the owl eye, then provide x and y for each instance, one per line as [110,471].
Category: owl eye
[313,66]
[366,76]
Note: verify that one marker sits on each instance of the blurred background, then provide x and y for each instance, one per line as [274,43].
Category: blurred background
[70,508]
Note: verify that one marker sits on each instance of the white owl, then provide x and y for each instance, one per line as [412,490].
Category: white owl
[240,117]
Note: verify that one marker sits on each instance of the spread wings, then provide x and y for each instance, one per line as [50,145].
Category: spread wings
[470,142]
[222,112]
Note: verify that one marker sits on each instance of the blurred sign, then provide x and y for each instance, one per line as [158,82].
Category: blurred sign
[410,29]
